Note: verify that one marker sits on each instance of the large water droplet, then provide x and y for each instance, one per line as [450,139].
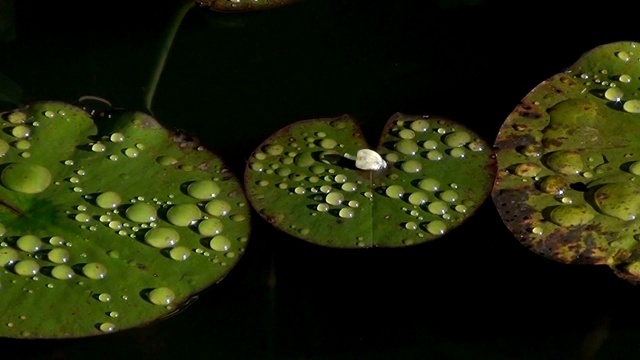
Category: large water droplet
[62,272]
[109,200]
[438,207]
[21,131]
[220,243]
[614,94]
[565,162]
[4,147]
[632,106]
[570,215]
[394,191]
[346,213]
[419,125]
[142,212]
[26,178]
[210,227]
[418,198]
[429,184]
[58,255]
[98,147]
[29,243]
[620,200]
[166,160]
[27,267]
[180,253]
[203,189]
[183,214]
[411,166]
[161,237]
[406,146]
[94,270]
[107,327]
[161,296]
[17,117]
[437,227]
[218,208]
[334,198]
[457,138]
[8,256]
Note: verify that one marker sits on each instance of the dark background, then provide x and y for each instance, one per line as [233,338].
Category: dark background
[234,79]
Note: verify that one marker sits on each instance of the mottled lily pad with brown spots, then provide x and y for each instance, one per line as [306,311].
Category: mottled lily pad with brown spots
[304,180]
[108,225]
[568,163]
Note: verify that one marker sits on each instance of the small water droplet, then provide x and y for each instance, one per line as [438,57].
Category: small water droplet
[107,327]
[116,137]
[346,213]
[82,217]
[98,147]
[131,152]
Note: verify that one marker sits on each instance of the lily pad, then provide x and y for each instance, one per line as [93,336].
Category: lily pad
[304,180]
[569,160]
[242,5]
[108,225]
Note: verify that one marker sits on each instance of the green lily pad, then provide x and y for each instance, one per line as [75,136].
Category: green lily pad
[108,225]
[242,5]
[568,159]
[304,180]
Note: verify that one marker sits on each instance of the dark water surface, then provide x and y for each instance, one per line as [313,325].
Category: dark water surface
[234,79]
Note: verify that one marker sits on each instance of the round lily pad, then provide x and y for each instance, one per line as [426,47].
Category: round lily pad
[319,180]
[569,160]
[108,225]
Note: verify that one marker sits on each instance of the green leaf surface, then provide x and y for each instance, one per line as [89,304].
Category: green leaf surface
[108,225]
[303,180]
[567,185]
[242,5]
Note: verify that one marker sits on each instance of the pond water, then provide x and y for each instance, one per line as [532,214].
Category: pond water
[234,79]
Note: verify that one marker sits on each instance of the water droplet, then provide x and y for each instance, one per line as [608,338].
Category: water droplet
[457,138]
[429,184]
[537,230]
[98,147]
[8,256]
[29,243]
[406,134]
[328,143]
[114,314]
[334,198]
[632,106]
[21,131]
[82,217]
[17,117]
[346,213]
[349,187]
[325,189]
[94,270]
[141,212]
[406,146]
[438,207]
[411,225]
[354,204]
[614,94]
[26,178]
[620,200]
[58,255]
[183,214]
[449,196]
[437,227]
[57,241]
[418,198]
[322,207]
[623,55]
[162,296]
[115,225]
[203,189]
[166,160]
[461,208]
[527,169]
[419,125]
[458,153]
[113,157]
[565,162]
[218,208]
[109,200]
[162,237]
[570,215]
[180,253]
[107,327]
[116,137]
[394,191]
[62,272]
[23,144]
[625,78]
[27,267]
[220,243]
[554,185]
[104,297]
[131,152]
[434,155]
[210,227]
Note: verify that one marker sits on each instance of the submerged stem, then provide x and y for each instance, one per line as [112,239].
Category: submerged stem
[166,42]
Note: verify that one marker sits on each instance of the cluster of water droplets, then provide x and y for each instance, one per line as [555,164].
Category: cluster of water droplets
[189,219]
[313,169]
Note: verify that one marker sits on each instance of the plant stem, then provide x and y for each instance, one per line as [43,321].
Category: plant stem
[166,42]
